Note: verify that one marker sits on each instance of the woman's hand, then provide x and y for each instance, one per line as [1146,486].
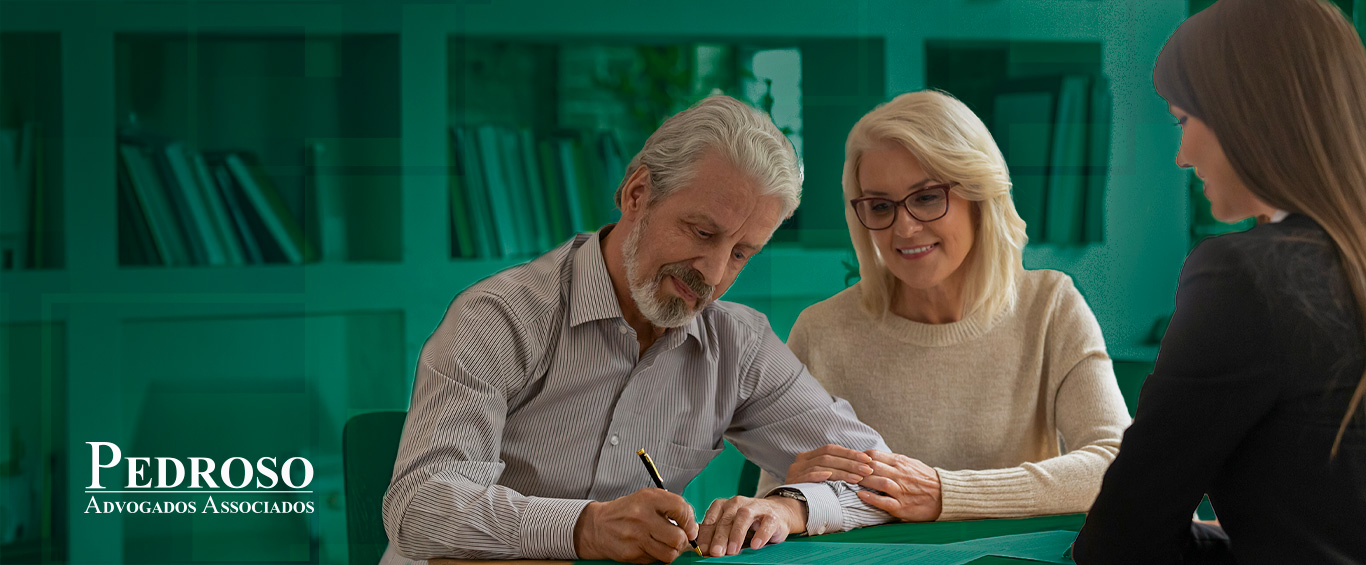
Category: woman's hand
[830,463]
[910,488]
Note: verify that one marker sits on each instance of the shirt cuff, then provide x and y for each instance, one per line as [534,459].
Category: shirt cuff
[548,527]
[823,511]
[994,493]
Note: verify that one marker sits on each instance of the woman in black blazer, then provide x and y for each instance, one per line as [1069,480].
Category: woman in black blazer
[1256,395]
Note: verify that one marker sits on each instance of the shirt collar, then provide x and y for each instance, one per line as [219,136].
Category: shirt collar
[592,297]
[1278,216]
[590,290]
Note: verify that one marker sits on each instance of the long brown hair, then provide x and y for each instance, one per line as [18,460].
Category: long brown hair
[1282,84]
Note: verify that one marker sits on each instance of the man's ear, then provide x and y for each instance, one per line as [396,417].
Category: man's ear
[635,193]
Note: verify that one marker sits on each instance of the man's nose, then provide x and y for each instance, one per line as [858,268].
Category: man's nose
[712,266]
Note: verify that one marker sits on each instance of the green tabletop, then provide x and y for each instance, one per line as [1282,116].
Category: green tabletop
[934,532]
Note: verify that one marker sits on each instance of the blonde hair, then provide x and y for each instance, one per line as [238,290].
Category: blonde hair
[952,145]
[1283,87]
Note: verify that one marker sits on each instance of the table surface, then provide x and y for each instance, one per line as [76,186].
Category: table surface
[928,532]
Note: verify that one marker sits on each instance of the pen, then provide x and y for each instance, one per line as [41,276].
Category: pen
[654,475]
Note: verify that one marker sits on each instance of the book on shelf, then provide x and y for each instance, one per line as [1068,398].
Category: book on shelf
[478,212]
[1054,134]
[14,222]
[537,199]
[462,225]
[497,187]
[570,156]
[514,194]
[1023,127]
[21,197]
[246,226]
[261,193]
[270,248]
[176,198]
[557,206]
[223,226]
[39,259]
[202,229]
[324,200]
[614,170]
[586,175]
[37,183]
[182,207]
[136,246]
[593,184]
[163,223]
[1097,160]
[27,170]
[1066,170]
[521,206]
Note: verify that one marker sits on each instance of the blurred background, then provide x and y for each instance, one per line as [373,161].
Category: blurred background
[228,226]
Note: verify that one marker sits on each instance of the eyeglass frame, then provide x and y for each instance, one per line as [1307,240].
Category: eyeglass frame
[900,204]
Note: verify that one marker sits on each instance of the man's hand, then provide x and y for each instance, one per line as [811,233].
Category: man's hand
[635,528]
[730,521]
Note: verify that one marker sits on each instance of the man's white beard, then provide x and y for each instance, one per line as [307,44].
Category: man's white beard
[663,312]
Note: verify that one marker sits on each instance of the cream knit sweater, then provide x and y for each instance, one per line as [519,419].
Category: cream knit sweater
[992,404]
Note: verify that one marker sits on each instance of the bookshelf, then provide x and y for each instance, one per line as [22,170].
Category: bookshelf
[1047,104]
[318,113]
[541,130]
[392,75]
[31,231]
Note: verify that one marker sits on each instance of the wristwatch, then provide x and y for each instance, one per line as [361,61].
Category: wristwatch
[792,493]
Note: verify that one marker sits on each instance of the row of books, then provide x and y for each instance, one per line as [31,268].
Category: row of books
[1055,135]
[514,195]
[182,207]
[22,198]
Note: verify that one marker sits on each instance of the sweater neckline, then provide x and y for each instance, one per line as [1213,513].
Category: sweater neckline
[939,335]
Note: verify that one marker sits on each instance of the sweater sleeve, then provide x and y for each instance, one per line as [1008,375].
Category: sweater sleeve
[1087,410]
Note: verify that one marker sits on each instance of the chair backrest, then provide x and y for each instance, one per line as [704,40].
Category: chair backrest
[369,448]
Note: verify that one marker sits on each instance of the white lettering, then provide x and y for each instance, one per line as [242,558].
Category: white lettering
[95,465]
[227,475]
[268,472]
[135,469]
[308,472]
[161,472]
[196,473]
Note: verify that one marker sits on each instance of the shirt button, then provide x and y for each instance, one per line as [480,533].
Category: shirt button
[615,440]
[622,330]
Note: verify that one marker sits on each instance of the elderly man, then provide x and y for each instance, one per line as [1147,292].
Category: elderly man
[542,382]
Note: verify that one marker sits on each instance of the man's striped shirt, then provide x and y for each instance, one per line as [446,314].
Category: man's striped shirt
[532,397]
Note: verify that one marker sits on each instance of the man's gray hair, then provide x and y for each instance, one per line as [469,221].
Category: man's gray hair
[744,136]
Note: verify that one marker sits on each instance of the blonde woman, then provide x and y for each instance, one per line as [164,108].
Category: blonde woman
[990,382]
[1256,396]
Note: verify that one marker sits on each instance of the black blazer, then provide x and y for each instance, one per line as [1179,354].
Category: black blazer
[1254,375]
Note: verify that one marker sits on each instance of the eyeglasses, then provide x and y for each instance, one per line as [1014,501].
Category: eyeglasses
[927,205]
